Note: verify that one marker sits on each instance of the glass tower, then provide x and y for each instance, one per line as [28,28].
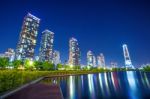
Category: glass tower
[46,48]
[27,39]
[101,60]
[128,63]
[74,52]
[91,59]
[56,57]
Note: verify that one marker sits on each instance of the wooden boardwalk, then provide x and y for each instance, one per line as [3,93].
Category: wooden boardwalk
[38,91]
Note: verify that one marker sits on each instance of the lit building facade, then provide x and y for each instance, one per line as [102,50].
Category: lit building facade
[10,54]
[74,52]
[56,57]
[2,55]
[128,63]
[94,61]
[91,61]
[36,58]
[113,65]
[101,60]
[46,48]
[27,41]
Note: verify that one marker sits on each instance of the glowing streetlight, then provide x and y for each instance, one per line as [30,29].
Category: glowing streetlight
[31,63]
[88,67]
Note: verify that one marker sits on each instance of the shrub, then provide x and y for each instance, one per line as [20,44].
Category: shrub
[4,62]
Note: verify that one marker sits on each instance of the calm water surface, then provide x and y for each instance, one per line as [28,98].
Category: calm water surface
[116,85]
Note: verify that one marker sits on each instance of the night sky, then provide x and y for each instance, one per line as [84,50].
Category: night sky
[100,26]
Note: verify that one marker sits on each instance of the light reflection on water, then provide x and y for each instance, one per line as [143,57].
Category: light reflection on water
[131,78]
[106,84]
[146,80]
[91,86]
[71,87]
[120,85]
[101,84]
[115,82]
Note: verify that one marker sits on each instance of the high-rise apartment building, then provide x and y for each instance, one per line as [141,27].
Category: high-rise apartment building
[113,65]
[10,53]
[128,63]
[101,60]
[27,40]
[46,48]
[56,57]
[91,61]
[74,52]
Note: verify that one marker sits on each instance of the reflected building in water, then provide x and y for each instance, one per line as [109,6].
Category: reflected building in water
[133,85]
[111,85]
[91,86]
[71,87]
[115,81]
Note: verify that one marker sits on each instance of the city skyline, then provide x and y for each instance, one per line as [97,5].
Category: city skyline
[94,32]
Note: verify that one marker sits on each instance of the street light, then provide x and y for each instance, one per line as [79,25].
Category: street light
[31,63]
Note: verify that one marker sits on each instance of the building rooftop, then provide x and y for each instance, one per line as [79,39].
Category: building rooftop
[34,17]
[73,39]
[48,31]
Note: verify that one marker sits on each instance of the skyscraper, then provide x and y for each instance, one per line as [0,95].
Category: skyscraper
[113,65]
[74,52]
[46,48]
[56,57]
[10,53]
[27,39]
[101,60]
[91,61]
[128,63]
[94,61]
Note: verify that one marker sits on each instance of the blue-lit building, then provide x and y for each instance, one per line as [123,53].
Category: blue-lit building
[56,57]
[46,47]
[101,61]
[128,62]
[91,61]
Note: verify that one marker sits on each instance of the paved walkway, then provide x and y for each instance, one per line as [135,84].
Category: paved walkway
[38,91]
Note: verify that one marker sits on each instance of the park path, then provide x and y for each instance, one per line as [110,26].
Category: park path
[38,91]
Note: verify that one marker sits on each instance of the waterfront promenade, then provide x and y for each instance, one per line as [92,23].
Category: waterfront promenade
[38,91]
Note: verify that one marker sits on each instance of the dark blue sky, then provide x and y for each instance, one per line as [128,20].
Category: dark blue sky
[101,26]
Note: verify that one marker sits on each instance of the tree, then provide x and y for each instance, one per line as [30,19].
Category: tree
[77,67]
[48,66]
[29,64]
[67,67]
[4,62]
[146,68]
[38,65]
[59,66]
[17,63]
